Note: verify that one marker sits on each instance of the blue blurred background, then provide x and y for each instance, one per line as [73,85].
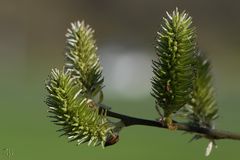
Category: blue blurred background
[32,42]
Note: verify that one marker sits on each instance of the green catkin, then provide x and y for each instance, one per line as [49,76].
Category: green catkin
[72,92]
[173,73]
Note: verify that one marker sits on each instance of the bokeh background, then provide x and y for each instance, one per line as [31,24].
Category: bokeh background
[32,42]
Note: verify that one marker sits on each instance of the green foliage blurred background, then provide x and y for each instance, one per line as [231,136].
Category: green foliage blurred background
[32,42]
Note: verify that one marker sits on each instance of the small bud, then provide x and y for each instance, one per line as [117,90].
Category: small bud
[112,139]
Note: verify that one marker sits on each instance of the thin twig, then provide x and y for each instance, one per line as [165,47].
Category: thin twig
[205,132]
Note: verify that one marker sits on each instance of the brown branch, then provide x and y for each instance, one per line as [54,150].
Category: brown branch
[205,132]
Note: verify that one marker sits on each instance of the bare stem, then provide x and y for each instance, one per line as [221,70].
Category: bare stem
[205,132]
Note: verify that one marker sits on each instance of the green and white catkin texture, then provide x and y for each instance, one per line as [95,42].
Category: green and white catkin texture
[72,92]
[82,59]
[173,73]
